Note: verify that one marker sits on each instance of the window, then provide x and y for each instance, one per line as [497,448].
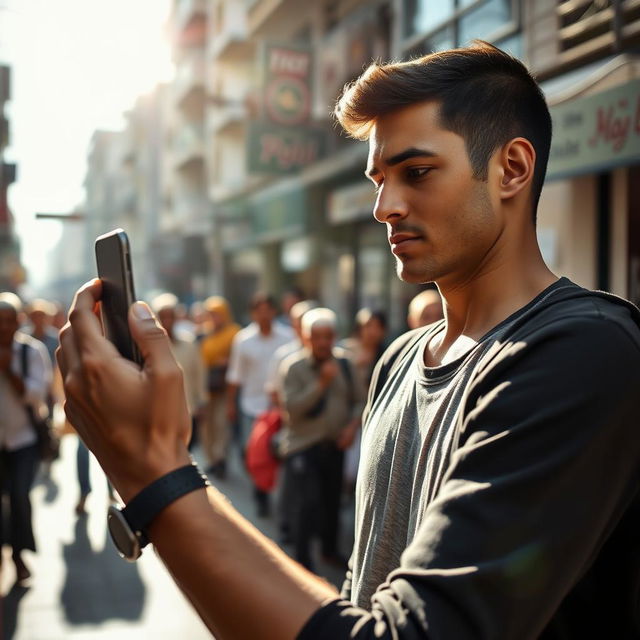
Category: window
[433,25]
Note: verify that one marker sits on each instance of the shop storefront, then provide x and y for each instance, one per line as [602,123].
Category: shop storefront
[589,214]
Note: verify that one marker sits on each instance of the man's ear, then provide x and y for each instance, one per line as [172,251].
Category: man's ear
[517,161]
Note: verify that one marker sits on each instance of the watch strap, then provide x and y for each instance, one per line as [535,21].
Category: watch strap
[143,508]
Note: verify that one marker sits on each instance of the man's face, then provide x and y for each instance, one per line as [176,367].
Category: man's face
[8,326]
[440,219]
[321,340]
[372,331]
[39,320]
[263,314]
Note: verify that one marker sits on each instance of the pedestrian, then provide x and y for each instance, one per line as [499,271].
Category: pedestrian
[41,313]
[187,354]
[215,350]
[25,378]
[273,381]
[367,344]
[288,299]
[251,352]
[322,408]
[498,489]
[425,308]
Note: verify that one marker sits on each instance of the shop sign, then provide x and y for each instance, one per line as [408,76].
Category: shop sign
[596,132]
[282,141]
[282,150]
[353,202]
[287,84]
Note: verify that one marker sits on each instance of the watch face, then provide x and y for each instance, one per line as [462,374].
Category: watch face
[126,541]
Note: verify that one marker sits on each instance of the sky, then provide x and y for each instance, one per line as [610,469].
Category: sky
[77,66]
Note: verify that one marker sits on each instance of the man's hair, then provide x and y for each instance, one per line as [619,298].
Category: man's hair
[164,301]
[11,301]
[262,298]
[485,95]
[316,318]
[300,308]
[365,314]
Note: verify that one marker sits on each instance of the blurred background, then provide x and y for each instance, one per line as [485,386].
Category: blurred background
[204,129]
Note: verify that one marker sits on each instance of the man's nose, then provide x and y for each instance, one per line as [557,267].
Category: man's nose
[390,204]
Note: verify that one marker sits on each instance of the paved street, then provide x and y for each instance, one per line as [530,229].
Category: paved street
[80,588]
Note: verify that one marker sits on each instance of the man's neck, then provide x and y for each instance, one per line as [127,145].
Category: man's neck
[265,330]
[473,308]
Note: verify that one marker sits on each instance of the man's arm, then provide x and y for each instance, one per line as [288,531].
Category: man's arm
[137,424]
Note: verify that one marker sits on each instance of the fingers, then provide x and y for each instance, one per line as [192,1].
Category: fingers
[85,325]
[152,340]
[82,334]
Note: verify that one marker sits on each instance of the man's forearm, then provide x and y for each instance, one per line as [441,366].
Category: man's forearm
[241,583]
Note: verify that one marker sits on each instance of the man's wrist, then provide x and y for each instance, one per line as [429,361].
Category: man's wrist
[129,527]
[149,472]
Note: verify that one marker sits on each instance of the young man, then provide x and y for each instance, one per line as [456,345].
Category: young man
[498,489]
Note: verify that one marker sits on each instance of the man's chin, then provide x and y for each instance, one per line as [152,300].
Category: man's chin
[412,276]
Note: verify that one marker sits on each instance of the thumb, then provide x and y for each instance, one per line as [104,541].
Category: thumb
[151,338]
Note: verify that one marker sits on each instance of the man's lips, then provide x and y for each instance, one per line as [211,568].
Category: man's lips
[401,241]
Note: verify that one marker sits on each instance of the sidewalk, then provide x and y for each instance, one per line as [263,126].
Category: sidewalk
[81,589]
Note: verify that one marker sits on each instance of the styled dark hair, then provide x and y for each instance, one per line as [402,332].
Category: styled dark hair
[486,96]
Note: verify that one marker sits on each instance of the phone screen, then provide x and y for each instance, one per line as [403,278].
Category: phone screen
[113,259]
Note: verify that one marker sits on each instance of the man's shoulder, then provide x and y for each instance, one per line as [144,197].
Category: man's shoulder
[246,333]
[22,340]
[285,350]
[296,360]
[597,317]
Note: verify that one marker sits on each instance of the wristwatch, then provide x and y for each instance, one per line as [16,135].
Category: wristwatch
[128,526]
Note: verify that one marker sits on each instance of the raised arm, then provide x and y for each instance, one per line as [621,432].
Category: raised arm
[136,423]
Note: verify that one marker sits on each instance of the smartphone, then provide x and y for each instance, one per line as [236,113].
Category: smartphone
[113,259]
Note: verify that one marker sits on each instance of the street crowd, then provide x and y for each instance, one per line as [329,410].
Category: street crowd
[284,394]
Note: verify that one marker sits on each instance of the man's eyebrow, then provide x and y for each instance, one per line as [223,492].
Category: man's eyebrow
[411,152]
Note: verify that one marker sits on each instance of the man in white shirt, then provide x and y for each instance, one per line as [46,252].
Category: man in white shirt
[25,377]
[251,353]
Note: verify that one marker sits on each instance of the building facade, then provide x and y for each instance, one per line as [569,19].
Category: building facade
[237,179]
[12,273]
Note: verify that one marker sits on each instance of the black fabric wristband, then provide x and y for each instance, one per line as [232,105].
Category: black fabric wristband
[146,505]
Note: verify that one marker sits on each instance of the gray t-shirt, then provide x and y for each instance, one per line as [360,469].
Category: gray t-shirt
[406,461]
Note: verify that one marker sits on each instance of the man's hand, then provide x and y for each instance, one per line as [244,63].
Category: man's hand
[134,420]
[327,372]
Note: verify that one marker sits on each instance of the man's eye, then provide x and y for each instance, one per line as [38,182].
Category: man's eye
[418,172]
